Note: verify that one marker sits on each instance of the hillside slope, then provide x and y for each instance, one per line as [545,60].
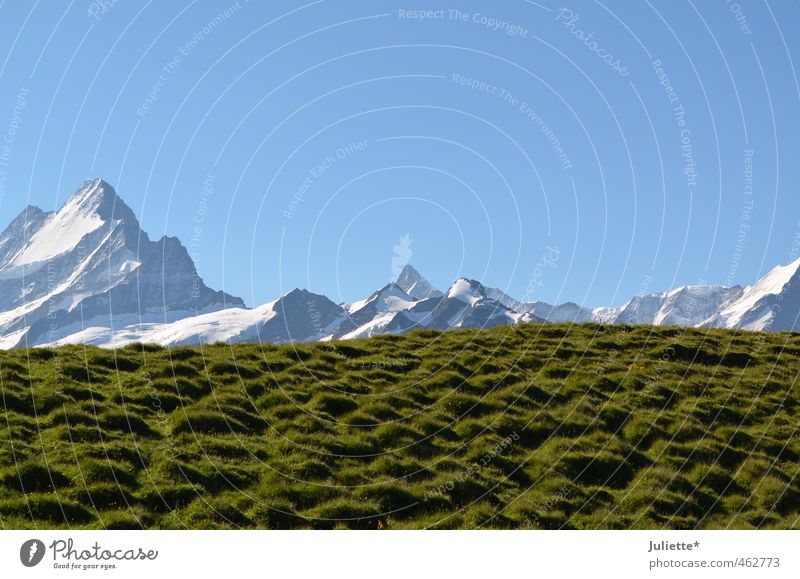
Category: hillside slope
[530,426]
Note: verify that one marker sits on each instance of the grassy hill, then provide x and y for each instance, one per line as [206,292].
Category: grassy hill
[524,427]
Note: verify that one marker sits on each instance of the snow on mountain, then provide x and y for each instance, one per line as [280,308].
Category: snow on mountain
[684,306]
[392,310]
[391,298]
[298,316]
[466,290]
[772,303]
[64,230]
[114,286]
[467,305]
[186,328]
[377,313]
[87,260]
[88,274]
[13,241]
[566,312]
[416,286]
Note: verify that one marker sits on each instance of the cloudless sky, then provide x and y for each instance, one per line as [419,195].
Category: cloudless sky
[294,144]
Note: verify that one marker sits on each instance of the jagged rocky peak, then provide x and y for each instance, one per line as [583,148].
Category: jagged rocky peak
[99,198]
[36,237]
[93,194]
[416,286]
[390,297]
[392,290]
[13,239]
[90,263]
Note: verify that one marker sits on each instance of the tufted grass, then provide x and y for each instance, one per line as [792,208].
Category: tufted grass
[532,427]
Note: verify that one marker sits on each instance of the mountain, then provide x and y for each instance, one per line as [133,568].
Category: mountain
[380,313]
[684,306]
[88,274]
[393,310]
[416,286]
[89,261]
[566,312]
[771,304]
[301,316]
[467,305]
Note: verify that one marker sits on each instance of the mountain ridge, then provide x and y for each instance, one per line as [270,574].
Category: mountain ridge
[87,273]
[88,259]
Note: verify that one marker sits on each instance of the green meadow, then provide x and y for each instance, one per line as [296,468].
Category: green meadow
[527,427]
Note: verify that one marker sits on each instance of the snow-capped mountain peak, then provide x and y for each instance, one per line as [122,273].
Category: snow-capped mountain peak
[466,290]
[390,298]
[775,281]
[772,303]
[92,195]
[91,259]
[416,286]
[93,206]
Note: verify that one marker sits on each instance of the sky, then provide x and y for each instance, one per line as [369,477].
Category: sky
[582,152]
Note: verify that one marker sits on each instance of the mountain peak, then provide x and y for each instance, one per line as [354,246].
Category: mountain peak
[467,290]
[30,214]
[416,286]
[93,206]
[99,198]
[389,298]
[391,290]
[776,279]
[92,192]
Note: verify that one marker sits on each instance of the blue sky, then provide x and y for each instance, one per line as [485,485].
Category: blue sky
[578,151]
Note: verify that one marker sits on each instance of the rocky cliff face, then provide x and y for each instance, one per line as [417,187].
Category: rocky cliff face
[90,259]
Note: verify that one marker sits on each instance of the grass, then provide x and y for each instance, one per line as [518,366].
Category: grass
[531,427]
